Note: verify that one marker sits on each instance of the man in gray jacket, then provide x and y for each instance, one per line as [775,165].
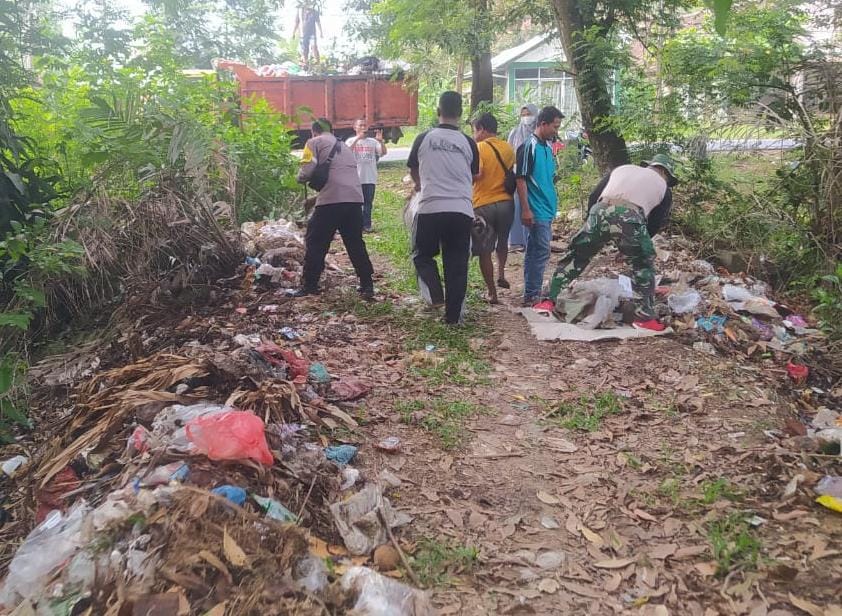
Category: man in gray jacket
[338,208]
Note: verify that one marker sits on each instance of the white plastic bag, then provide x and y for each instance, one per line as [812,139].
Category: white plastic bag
[382,596]
[49,546]
[683,303]
[169,425]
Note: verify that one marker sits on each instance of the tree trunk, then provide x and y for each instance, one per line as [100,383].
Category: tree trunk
[460,74]
[609,147]
[482,80]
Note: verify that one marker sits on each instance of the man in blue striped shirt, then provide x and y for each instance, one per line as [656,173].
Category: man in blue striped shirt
[538,199]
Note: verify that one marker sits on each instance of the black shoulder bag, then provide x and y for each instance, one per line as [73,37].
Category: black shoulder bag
[509,180]
[321,173]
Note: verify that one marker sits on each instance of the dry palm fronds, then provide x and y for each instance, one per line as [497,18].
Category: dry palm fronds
[105,402]
[153,248]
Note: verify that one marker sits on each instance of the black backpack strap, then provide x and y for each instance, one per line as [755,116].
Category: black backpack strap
[499,158]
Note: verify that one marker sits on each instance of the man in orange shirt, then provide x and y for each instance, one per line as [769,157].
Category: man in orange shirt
[494,206]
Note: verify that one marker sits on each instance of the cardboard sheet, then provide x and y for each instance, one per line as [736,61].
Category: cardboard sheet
[546,327]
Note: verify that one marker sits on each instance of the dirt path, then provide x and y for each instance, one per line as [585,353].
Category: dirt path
[633,477]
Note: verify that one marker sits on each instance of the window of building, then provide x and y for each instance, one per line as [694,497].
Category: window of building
[546,86]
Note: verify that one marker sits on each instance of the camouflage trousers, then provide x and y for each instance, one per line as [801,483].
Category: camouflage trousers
[623,224]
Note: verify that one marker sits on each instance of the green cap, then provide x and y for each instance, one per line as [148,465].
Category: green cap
[664,161]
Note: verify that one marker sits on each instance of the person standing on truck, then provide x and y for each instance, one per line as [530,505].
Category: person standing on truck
[367,151]
[338,208]
[308,17]
[493,202]
[443,162]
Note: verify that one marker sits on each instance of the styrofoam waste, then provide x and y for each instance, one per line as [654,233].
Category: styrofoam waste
[12,465]
[311,574]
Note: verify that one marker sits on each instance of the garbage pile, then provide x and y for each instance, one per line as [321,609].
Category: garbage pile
[195,479]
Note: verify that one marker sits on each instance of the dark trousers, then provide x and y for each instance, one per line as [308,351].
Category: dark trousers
[449,233]
[368,203]
[347,218]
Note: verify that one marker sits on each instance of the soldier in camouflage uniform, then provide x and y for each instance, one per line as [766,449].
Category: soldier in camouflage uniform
[630,194]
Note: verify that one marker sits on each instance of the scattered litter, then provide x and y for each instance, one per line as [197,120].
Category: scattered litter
[233,435]
[341,454]
[12,465]
[275,510]
[290,333]
[163,475]
[297,366]
[797,373]
[45,549]
[274,274]
[358,519]
[549,522]
[829,486]
[269,308]
[704,347]
[235,494]
[389,479]
[831,502]
[51,496]
[311,574]
[378,595]
[713,324]
[349,477]
[318,374]
[347,388]
[253,261]
[683,303]
[756,521]
[430,348]
[390,444]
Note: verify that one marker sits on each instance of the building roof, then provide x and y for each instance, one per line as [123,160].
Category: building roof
[508,56]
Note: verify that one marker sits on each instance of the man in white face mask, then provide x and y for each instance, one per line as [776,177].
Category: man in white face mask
[519,134]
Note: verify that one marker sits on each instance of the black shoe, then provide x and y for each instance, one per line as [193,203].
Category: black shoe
[366,291]
[303,292]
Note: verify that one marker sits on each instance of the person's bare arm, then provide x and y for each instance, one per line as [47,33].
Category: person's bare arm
[378,135]
[319,24]
[416,177]
[525,213]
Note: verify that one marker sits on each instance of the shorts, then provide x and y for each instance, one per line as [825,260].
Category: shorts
[498,219]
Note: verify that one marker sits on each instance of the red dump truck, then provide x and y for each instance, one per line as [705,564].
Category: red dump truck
[384,102]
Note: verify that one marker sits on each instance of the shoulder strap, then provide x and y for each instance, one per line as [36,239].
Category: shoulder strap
[333,152]
[499,158]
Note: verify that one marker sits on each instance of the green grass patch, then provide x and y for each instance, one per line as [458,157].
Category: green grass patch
[436,562]
[732,544]
[714,490]
[587,413]
[443,418]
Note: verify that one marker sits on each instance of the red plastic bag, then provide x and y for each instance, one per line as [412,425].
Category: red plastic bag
[233,435]
[797,372]
[296,366]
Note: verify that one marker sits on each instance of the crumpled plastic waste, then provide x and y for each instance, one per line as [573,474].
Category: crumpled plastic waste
[275,510]
[341,454]
[713,324]
[358,522]
[235,494]
[262,237]
[169,425]
[232,435]
[764,330]
[296,366]
[51,496]
[378,595]
[311,574]
[592,302]
[289,333]
[318,374]
[163,475]
[139,441]
[684,302]
[797,372]
[274,274]
[13,465]
[349,477]
[390,444]
[743,300]
[829,486]
[831,502]
[50,545]
[347,388]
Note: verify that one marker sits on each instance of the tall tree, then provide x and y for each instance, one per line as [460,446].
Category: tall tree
[592,33]
[415,29]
